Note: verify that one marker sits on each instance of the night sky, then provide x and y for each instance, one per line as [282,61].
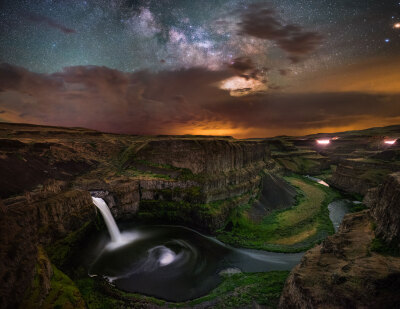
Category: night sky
[222,67]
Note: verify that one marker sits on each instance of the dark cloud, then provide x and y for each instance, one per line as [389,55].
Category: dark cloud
[36,18]
[242,64]
[313,111]
[245,67]
[169,101]
[20,79]
[262,21]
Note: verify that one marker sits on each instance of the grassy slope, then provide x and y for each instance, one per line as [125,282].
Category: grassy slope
[292,230]
[63,292]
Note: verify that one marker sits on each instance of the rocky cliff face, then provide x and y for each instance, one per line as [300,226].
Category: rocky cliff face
[26,223]
[174,178]
[342,272]
[204,155]
[384,202]
[358,176]
[346,270]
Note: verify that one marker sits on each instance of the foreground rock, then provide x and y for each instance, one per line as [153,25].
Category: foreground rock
[384,202]
[25,225]
[342,272]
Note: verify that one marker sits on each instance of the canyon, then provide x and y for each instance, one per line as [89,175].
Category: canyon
[48,176]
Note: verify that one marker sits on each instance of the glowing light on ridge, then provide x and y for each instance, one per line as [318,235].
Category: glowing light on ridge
[390,142]
[323,141]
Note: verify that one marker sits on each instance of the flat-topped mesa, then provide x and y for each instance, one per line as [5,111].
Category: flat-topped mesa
[384,202]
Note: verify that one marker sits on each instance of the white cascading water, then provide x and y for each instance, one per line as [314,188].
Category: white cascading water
[109,219]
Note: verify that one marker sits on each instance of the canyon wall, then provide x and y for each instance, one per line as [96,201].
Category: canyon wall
[384,202]
[182,181]
[348,270]
[28,222]
[358,176]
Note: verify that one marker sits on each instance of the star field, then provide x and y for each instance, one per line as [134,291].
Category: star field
[170,34]
[178,66]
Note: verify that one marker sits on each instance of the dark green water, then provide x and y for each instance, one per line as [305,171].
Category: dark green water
[174,263]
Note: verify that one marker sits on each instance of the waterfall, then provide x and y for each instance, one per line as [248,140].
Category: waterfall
[108,218]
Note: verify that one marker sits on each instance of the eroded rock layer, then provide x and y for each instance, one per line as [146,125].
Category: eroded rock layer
[343,272]
[384,202]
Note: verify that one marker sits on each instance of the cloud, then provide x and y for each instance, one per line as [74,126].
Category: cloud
[261,21]
[36,18]
[179,102]
[245,67]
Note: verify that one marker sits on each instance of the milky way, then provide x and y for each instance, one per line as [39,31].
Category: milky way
[267,47]
[132,35]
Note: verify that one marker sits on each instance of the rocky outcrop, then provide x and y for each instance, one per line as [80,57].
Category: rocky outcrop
[342,272]
[275,194]
[24,166]
[384,202]
[27,222]
[358,177]
[204,155]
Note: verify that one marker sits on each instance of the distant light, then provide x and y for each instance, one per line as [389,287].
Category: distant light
[323,141]
[387,40]
[335,138]
[390,142]
[396,26]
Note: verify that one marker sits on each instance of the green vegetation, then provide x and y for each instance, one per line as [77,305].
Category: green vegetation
[325,175]
[61,292]
[375,175]
[91,291]
[132,172]
[61,251]
[188,209]
[357,208]
[298,164]
[235,291]
[379,246]
[128,164]
[240,290]
[291,230]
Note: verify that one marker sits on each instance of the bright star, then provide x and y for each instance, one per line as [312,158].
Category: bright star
[387,40]
[396,26]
